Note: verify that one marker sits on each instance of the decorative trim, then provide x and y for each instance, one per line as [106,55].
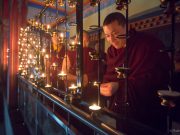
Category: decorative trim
[153,22]
[143,24]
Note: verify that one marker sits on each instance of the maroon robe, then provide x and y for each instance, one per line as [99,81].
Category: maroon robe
[89,66]
[57,57]
[149,71]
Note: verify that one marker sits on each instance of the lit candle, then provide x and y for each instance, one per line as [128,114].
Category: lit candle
[43,75]
[62,75]
[43,50]
[22,73]
[94,107]
[62,35]
[48,27]
[30,56]
[31,76]
[73,87]
[72,44]
[20,66]
[47,86]
[46,56]
[36,24]
[96,83]
[61,39]
[54,64]
[36,68]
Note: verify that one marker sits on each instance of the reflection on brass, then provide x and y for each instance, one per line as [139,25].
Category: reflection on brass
[72,89]
[72,47]
[168,97]
[72,3]
[94,2]
[61,3]
[94,55]
[62,75]
[122,4]
[122,72]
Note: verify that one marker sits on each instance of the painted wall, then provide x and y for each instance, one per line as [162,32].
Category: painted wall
[136,7]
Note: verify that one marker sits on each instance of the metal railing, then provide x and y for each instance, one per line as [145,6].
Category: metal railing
[45,105]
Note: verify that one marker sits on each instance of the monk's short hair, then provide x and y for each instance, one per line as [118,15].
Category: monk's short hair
[115,16]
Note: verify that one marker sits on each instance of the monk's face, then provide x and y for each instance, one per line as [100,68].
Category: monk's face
[85,39]
[55,39]
[111,32]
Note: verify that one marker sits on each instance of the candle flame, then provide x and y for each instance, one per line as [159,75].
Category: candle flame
[94,107]
[73,86]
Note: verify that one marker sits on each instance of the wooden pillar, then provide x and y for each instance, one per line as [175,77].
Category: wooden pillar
[17,18]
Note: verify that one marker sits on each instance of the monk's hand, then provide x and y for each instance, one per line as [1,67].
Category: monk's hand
[108,89]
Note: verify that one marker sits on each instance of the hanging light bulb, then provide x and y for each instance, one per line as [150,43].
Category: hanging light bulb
[164,3]
[49,2]
[94,2]
[52,2]
[61,3]
[122,4]
[72,3]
